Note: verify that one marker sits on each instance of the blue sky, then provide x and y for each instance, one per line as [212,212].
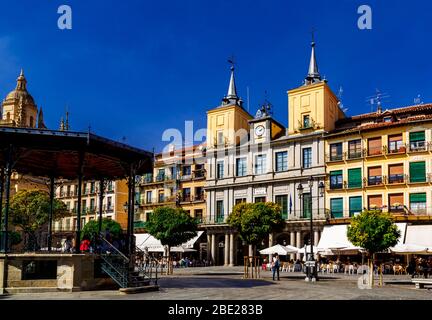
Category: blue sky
[135,68]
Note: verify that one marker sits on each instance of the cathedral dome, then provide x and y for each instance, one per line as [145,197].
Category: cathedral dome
[20,92]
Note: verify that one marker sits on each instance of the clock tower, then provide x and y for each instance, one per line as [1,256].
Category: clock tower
[263,128]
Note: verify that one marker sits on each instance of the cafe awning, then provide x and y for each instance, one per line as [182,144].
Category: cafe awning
[420,235]
[335,237]
[146,240]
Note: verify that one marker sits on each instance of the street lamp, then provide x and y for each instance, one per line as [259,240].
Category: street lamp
[311,263]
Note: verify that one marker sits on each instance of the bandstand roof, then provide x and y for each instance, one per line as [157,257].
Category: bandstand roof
[42,152]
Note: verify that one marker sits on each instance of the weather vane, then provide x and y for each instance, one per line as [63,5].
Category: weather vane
[231,61]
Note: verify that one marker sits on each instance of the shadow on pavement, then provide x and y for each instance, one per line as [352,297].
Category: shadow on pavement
[193,282]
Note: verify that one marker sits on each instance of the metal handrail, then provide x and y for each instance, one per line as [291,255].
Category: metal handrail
[117,251]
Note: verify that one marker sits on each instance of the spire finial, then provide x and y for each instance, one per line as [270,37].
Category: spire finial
[313,73]
[21,81]
[232,90]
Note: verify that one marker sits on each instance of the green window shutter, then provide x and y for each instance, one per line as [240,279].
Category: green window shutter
[283,202]
[336,173]
[355,205]
[417,136]
[336,207]
[417,197]
[354,178]
[418,171]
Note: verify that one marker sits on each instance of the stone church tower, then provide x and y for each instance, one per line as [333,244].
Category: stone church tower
[19,108]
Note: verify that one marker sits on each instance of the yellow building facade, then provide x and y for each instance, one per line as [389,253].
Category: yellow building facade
[178,180]
[383,161]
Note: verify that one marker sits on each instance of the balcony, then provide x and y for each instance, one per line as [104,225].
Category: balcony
[336,186]
[397,208]
[418,146]
[375,181]
[355,155]
[220,219]
[186,198]
[375,152]
[186,177]
[157,201]
[109,208]
[334,157]
[396,178]
[199,174]
[199,197]
[398,149]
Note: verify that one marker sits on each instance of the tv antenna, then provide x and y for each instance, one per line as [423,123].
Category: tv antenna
[377,100]
[340,103]
[418,100]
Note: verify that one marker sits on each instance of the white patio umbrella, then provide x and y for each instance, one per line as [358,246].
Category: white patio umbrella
[407,248]
[279,249]
[181,249]
[308,249]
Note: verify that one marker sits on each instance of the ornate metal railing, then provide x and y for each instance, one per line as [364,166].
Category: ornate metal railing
[127,272]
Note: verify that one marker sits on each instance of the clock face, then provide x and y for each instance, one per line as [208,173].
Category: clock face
[259,131]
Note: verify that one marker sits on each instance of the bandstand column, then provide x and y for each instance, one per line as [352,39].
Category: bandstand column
[5,237]
[101,196]
[51,212]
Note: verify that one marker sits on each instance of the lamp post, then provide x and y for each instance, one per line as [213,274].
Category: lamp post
[311,263]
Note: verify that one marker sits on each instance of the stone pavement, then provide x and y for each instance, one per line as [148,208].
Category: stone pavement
[227,284]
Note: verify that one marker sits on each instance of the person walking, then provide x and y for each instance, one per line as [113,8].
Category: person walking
[275,266]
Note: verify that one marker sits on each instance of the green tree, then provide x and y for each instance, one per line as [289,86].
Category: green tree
[254,221]
[29,211]
[172,226]
[375,232]
[92,228]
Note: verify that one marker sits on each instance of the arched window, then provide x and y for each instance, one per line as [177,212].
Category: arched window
[31,121]
[8,116]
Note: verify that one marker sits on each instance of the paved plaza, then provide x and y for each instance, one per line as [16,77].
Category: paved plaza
[215,283]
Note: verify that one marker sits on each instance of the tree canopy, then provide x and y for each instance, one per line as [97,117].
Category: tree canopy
[92,228]
[172,226]
[254,221]
[29,210]
[374,231]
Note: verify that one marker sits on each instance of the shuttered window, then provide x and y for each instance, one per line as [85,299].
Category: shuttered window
[374,171]
[396,173]
[417,136]
[355,205]
[374,146]
[418,203]
[396,202]
[354,178]
[336,179]
[283,202]
[336,207]
[375,202]
[396,169]
[417,171]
